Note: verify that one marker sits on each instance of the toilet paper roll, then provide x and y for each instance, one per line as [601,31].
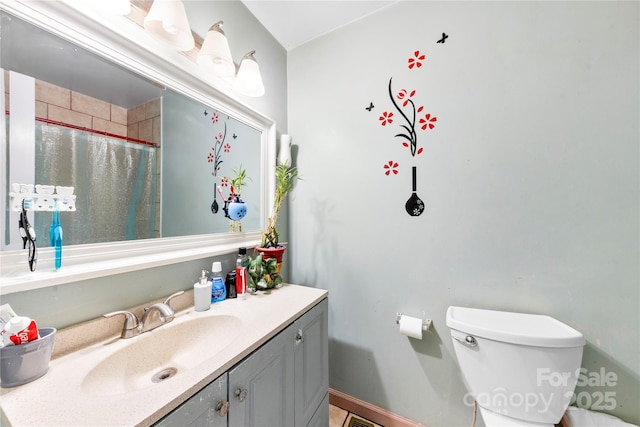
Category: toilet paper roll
[411,327]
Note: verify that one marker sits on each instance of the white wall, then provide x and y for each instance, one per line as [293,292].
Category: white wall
[530,179]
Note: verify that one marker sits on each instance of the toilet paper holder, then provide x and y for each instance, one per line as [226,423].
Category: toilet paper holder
[426,323]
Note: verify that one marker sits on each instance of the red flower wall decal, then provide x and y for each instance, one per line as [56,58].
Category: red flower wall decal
[416,61]
[428,121]
[404,94]
[385,118]
[391,167]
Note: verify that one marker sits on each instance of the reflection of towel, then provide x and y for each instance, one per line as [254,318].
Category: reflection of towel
[578,417]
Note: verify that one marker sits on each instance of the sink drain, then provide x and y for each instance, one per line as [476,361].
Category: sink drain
[163,375]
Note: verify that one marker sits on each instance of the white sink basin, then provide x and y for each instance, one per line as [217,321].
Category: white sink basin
[159,355]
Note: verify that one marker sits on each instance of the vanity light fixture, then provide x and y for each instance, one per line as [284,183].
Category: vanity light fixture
[167,20]
[215,54]
[248,80]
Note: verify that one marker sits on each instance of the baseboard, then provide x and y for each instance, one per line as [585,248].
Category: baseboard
[371,412]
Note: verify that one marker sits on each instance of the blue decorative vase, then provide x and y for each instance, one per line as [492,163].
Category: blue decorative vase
[235,209]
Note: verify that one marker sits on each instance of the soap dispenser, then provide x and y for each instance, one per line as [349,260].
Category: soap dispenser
[202,293]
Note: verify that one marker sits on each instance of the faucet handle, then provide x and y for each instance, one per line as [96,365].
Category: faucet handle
[170,297]
[130,322]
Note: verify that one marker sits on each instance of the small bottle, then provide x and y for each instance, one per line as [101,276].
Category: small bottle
[19,330]
[242,262]
[230,284]
[218,290]
[202,293]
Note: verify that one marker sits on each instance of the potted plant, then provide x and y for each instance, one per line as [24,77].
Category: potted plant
[263,274]
[269,244]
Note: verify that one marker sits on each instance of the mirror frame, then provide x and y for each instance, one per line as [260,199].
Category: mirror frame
[120,40]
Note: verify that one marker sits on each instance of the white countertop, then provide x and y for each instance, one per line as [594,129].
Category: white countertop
[58,398]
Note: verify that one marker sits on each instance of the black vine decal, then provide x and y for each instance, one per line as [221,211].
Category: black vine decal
[409,113]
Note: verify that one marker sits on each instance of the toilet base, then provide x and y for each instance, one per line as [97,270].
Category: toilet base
[492,419]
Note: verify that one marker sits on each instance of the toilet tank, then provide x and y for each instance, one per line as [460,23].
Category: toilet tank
[524,366]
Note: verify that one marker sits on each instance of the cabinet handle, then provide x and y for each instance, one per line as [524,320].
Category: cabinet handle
[222,408]
[299,337]
[241,394]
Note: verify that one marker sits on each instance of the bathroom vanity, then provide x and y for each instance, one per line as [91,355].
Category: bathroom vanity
[258,361]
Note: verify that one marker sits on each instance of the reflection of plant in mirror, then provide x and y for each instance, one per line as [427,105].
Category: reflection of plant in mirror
[215,156]
[238,181]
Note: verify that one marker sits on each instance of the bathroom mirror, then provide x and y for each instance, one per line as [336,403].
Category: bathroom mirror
[176,141]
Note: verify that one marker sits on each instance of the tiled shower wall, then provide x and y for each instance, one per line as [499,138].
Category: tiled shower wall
[66,106]
[143,122]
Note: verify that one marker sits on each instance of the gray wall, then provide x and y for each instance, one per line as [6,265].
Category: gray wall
[530,179]
[65,305]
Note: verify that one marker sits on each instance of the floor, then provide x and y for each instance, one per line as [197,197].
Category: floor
[338,417]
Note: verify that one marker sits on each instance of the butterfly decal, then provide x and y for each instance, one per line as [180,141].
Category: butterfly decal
[205,113]
[444,37]
[235,136]
[370,107]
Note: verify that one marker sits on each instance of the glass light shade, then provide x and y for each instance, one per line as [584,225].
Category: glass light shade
[215,54]
[167,20]
[248,80]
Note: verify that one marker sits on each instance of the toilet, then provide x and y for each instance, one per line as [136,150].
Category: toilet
[521,369]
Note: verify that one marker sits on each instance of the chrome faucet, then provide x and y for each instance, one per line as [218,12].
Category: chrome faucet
[132,327]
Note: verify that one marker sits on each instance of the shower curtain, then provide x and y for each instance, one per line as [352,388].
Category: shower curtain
[114,181]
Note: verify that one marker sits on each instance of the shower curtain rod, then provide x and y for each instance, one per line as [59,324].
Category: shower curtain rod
[99,132]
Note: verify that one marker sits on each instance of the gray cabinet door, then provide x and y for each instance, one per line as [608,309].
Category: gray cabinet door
[321,417]
[261,387]
[311,362]
[200,410]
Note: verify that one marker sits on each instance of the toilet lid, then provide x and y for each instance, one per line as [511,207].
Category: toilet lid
[516,328]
